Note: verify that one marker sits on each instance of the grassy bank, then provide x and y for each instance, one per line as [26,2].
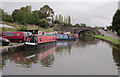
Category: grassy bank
[19,27]
[114,41]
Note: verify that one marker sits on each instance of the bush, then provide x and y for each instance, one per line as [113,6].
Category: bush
[23,28]
[43,23]
[118,32]
[57,28]
[56,22]
[4,29]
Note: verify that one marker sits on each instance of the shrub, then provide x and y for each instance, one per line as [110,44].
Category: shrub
[57,28]
[118,32]
[43,23]
[23,28]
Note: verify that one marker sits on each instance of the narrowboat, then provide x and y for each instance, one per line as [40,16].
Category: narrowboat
[66,36]
[63,37]
[39,41]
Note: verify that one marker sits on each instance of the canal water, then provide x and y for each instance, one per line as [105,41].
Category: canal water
[86,56]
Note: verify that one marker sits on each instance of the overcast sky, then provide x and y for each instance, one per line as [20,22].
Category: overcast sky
[91,12]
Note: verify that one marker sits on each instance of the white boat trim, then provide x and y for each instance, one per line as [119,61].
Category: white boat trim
[27,43]
[30,56]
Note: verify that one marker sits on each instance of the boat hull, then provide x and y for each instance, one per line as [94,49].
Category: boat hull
[39,45]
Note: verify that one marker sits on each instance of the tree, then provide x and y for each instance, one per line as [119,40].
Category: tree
[116,21]
[43,23]
[5,17]
[119,32]
[56,17]
[109,27]
[40,14]
[57,28]
[77,25]
[18,16]
[65,20]
[26,9]
[56,22]
[60,18]
[1,14]
[83,25]
[67,25]
[29,18]
[69,19]
[35,18]
[47,11]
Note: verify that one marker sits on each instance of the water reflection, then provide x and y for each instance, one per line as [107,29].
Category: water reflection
[44,56]
[64,46]
[116,55]
[86,40]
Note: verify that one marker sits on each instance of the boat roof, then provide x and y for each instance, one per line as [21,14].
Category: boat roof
[57,34]
[42,35]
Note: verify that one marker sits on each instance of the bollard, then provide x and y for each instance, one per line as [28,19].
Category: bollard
[102,34]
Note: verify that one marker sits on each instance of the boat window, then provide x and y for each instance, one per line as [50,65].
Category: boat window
[65,35]
[45,39]
[28,34]
[27,39]
[49,39]
[24,34]
[53,38]
[40,39]
[11,34]
[36,39]
[1,34]
[6,33]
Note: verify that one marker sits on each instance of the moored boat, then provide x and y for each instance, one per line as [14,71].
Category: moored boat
[39,41]
[65,36]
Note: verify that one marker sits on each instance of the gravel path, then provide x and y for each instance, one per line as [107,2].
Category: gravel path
[109,34]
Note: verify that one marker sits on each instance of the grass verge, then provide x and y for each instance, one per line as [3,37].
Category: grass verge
[114,41]
[19,27]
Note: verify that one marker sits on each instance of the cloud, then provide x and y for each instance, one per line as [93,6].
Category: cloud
[91,13]
[60,0]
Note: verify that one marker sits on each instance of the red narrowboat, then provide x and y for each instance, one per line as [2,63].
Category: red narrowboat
[39,41]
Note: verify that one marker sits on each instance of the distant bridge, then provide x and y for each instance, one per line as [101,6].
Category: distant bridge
[78,30]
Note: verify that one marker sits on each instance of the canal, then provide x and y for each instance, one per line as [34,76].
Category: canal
[86,56]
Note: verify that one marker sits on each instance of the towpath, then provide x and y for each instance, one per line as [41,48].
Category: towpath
[7,48]
[109,34]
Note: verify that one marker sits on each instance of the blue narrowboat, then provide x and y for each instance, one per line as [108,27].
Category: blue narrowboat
[63,36]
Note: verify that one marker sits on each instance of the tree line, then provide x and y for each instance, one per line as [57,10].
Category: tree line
[44,17]
[115,23]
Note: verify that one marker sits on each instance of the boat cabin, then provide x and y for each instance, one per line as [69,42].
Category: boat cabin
[35,38]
